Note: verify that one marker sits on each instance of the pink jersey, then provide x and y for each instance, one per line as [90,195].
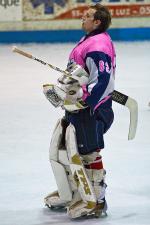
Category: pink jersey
[96,55]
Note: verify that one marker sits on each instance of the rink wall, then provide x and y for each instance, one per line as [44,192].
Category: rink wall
[59,21]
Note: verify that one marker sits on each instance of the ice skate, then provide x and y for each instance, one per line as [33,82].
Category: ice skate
[101,209]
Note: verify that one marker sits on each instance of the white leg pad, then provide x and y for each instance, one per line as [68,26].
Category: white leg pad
[55,142]
[87,203]
[58,159]
[63,157]
[76,165]
[64,189]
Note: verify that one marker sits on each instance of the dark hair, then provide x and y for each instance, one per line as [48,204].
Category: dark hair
[102,13]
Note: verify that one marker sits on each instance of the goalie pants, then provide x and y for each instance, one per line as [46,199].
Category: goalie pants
[90,128]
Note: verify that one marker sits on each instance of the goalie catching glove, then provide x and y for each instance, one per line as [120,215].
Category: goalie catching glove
[58,97]
[68,92]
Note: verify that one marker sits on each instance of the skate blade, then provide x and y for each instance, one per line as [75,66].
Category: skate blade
[56,208]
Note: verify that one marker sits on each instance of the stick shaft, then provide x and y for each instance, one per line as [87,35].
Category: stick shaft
[28,55]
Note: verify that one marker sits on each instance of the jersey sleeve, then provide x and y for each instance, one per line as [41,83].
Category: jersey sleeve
[101,80]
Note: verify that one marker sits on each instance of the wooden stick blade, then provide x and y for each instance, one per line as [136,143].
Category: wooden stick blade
[133,108]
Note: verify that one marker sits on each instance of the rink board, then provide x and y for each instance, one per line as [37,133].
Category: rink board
[60,21]
[62,36]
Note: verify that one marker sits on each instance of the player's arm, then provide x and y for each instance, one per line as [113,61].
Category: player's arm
[101,81]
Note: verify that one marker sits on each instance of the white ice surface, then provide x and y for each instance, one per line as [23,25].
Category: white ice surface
[26,123]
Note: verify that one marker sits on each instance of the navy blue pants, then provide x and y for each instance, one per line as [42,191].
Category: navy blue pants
[90,128]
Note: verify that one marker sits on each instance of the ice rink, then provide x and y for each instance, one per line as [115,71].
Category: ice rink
[26,123]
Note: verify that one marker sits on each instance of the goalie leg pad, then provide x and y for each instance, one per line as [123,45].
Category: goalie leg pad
[58,159]
[63,185]
[87,201]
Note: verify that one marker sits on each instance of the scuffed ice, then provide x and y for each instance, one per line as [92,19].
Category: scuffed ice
[26,123]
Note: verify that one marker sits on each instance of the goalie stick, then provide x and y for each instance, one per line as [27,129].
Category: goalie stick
[132,105]
[118,97]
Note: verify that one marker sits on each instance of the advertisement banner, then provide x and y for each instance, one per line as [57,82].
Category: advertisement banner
[64,9]
[10,10]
